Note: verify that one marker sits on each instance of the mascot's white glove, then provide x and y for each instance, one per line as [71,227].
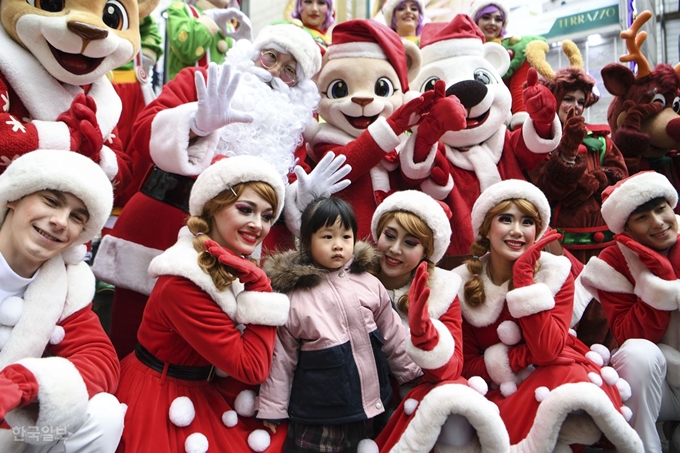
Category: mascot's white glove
[223,16]
[323,181]
[214,101]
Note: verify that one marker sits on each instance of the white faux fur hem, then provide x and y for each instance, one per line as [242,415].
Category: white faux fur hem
[530,300]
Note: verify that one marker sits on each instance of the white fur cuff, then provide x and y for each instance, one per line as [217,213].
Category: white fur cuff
[530,300]
[539,145]
[439,355]
[436,191]
[266,309]
[53,135]
[108,161]
[62,397]
[383,135]
[169,144]
[412,169]
[498,364]
[656,292]
[125,264]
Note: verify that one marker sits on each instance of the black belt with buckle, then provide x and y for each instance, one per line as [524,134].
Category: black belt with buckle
[169,188]
[187,373]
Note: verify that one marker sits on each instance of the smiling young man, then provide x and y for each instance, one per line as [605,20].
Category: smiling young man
[57,366]
[636,280]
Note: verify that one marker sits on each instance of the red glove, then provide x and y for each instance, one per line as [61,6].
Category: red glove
[573,133]
[446,114]
[92,142]
[423,333]
[657,263]
[539,102]
[637,113]
[523,269]
[81,119]
[18,387]
[252,277]
[440,170]
[409,114]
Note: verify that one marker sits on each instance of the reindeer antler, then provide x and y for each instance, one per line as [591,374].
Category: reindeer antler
[572,52]
[634,41]
[535,53]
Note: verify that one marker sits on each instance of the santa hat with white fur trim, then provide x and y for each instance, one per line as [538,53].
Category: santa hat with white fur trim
[366,38]
[64,171]
[508,190]
[295,41]
[620,200]
[424,207]
[390,5]
[460,37]
[226,172]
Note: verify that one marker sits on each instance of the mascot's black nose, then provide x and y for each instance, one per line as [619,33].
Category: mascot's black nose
[470,92]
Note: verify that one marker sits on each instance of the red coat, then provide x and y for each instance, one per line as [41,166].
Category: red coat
[69,372]
[30,102]
[189,322]
[442,391]
[519,342]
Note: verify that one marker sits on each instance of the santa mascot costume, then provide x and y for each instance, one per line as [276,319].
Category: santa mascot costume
[150,221]
[455,165]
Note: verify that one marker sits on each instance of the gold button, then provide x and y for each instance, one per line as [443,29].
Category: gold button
[199,51]
[182,36]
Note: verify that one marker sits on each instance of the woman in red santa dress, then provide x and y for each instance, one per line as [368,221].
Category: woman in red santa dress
[516,303]
[412,232]
[208,333]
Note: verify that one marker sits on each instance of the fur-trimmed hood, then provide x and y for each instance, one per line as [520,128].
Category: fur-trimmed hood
[294,270]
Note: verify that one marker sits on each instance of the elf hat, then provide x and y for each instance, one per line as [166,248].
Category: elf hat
[460,37]
[390,5]
[366,38]
[63,171]
[620,200]
[424,207]
[226,172]
[295,41]
[508,190]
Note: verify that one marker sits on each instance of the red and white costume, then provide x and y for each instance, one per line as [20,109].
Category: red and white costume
[471,159]
[147,225]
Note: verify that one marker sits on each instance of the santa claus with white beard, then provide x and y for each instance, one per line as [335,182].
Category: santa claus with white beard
[198,115]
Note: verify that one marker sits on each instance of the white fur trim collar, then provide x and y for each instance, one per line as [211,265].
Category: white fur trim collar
[444,287]
[482,159]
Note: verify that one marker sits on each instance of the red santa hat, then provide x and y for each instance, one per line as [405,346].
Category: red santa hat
[620,200]
[294,40]
[460,37]
[64,171]
[365,38]
[226,172]
[390,5]
[510,189]
[425,208]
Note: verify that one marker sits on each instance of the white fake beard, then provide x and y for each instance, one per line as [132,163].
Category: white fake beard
[280,115]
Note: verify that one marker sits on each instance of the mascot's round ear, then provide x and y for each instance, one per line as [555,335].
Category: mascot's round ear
[146,6]
[413,59]
[498,57]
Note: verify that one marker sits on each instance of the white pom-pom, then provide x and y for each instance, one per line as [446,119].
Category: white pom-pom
[609,375]
[603,351]
[410,406]
[10,311]
[595,358]
[220,373]
[367,446]
[572,332]
[58,335]
[595,378]
[479,384]
[259,440]
[75,254]
[5,332]
[196,443]
[182,412]
[541,393]
[230,419]
[624,389]
[508,388]
[509,333]
[627,413]
[245,403]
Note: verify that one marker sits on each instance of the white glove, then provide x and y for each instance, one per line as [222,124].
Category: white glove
[214,101]
[323,181]
[223,17]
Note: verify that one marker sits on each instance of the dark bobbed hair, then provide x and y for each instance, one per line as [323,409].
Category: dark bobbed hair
[324,212]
